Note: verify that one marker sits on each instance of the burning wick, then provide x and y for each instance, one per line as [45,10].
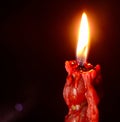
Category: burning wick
[83,41]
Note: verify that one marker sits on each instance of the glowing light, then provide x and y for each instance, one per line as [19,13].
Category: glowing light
[83,40]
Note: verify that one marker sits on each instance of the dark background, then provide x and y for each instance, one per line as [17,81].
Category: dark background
[36,38]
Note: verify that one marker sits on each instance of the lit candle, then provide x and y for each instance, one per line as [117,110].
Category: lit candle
[79,91]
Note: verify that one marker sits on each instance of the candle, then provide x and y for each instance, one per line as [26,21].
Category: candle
[80,91]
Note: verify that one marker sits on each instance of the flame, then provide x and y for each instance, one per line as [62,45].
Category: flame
[83,40]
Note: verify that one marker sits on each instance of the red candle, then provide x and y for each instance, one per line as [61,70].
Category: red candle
[81,88]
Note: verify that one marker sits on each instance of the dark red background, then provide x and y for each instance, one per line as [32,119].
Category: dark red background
[36,38]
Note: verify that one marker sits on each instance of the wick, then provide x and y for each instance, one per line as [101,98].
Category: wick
[81,61]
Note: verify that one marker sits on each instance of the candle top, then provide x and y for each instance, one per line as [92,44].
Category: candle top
[73,65]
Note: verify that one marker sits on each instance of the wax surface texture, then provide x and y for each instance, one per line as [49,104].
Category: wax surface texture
[81,92]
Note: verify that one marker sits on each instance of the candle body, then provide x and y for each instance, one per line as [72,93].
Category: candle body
[79,92]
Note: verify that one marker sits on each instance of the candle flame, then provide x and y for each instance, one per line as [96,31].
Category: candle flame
[83,40]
